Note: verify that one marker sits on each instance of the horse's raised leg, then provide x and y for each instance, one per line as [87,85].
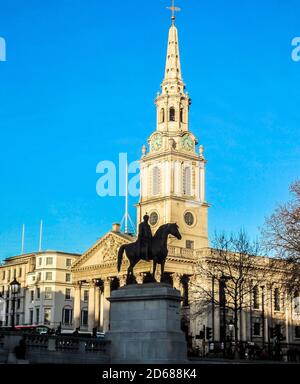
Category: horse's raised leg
[130,276]
[154,269]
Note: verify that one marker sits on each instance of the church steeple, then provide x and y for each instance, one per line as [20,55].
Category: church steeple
[173,170]
[173,67]
[173,102]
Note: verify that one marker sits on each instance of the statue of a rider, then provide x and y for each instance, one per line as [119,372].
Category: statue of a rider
[144,238]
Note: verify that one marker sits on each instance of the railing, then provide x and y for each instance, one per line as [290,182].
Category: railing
[181,252]
[36,341]
[66,343]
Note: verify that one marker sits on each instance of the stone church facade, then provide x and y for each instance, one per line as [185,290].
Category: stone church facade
[172,191]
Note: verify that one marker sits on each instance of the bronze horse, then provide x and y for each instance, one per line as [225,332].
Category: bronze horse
[158,247]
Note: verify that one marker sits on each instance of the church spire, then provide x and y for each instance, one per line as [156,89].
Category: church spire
[173,102]
[173,67]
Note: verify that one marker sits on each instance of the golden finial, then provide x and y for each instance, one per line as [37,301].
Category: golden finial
[173,9]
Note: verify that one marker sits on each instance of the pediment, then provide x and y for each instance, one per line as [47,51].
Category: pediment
[105,250]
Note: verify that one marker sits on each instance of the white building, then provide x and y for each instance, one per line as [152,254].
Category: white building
[46,294]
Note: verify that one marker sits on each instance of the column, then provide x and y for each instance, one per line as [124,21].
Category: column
[139,278]
[288,318]
[91,307]
[106,304]
[77,306]
[122,280]
[97,306]
[101,308]
[177,281]
[243,325]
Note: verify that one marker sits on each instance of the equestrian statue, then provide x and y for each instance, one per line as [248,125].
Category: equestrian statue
[148,248]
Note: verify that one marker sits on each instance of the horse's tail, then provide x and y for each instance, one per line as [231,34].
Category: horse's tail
[120,256]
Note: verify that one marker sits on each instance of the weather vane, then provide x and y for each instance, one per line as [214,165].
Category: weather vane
[173,9]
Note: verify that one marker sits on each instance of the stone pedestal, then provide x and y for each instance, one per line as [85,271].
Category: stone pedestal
[145,326]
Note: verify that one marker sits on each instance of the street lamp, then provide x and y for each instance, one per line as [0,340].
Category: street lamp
[15,289]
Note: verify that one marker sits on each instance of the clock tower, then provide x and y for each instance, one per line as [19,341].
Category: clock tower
[172,168]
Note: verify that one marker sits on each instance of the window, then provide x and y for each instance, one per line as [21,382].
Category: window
[297,302]
[172,114]
[153,218]
[38,293]
[255,297]
[68,262]
[162,116]
[85,295]
[17,319]
[8,276]
[67,316]
[277,330]
[18,303]
[68,277]
[256,329]
[31,316]
[3,275]
[276,299]
[33,278]
[49,260]
[187,181]
[31,295]
[40,261]
[37,315]
[48,293]
[181,115]
[189,218]
[47,316]
[48,276]
[68,293]
[156,181]
[39,276]
[297,332]
[189,244]
[20,272]
[15,273]
[84,317]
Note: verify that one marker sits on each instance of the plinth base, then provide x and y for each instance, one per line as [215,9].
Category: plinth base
[145,325]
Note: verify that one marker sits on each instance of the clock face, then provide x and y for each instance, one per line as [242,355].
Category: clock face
[187,142]
[189,218]
[156,142]
[153,218]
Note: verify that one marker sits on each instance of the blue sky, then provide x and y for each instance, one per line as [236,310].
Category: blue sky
[78,87]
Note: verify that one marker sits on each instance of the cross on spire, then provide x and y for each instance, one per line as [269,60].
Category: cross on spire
[173,9]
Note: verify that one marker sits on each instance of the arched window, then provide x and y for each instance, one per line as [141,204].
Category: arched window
[276,299]
[181,114]
[187,181]
[255,297]
[156,181]
[162,116]
[172,114]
